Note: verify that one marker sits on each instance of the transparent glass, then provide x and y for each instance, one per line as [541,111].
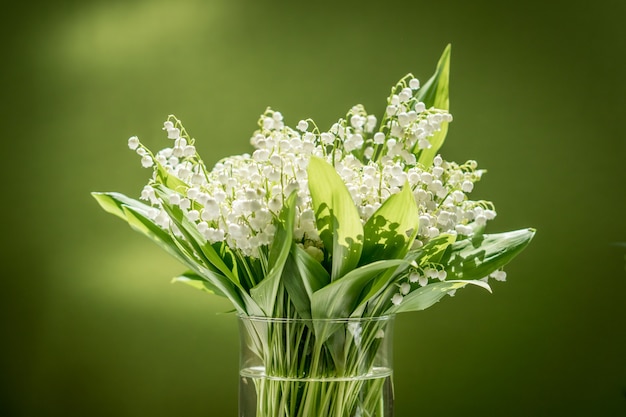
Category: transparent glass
[316,368]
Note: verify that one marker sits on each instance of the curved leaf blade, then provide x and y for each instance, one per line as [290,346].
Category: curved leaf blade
[264,293]
[391,230]
[339,298]
[196,281]
[436,93]
[112,203]
[433,250]
[479,256]
[144,225]
[302,276]
[426,296]
[337,217]
[201,246]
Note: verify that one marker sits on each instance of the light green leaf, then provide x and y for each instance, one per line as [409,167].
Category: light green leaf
[136,214]
[428,295]
[119,205]
[434,249]
[240,299]
[479,256]
[391,230]
[170,181]
[201,247]
[431,252]
[435,93]
[144,225]
[113,202]
[196,281]
[338,220]
[264,293]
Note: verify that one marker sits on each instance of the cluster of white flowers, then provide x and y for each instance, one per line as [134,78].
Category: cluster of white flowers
[238,200]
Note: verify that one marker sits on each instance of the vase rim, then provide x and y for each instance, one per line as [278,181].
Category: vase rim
[328,320]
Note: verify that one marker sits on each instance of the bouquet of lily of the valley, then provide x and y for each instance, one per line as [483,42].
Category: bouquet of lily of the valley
[363,220]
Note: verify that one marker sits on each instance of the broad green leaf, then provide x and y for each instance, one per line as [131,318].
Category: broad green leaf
[302,276]
[144,225]
[136,214]
[339,298]
[113,202]
[201,246]
[314,274]
[479,256]
[338,220]
[119,205]
[431,252]
[434,249]
[243,303]
[196,281]
[170,181]
[264,293]
[240,299]
[428,295]
[435,93]
[391,230]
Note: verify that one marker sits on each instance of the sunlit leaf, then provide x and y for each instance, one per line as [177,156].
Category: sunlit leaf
[338,220]
[341,297]
[479,256]
[431,252]
[136,214]
[391,230]
[434,249]
[201,246]
[169,180]
[428,295]
[435,93]
[196,281]
[240,299]
[112,203]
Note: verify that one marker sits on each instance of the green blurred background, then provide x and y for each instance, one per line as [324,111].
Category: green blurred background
[91,325]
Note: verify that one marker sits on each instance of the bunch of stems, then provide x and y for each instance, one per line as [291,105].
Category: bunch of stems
[312,368]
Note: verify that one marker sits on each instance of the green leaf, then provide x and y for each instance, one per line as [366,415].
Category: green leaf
[391,230]
[338,220]
[264,293]
[196,281]
[430,252]
[435,93]
[202,248]
[170,181]
[113,202]
[428,295]
[339,298]
[479,256]
[302,276]
[136,214]
[240,299]
[433,250]
[138,218]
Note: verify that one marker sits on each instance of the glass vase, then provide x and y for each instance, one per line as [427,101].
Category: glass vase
[316,368]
